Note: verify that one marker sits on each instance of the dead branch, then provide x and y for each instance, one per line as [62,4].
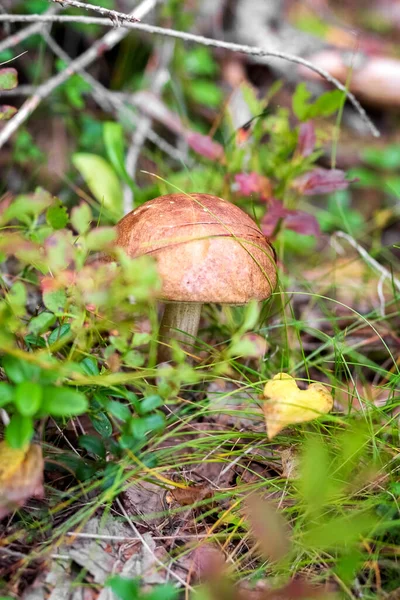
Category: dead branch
[108,41]
[190,37]
[114,15]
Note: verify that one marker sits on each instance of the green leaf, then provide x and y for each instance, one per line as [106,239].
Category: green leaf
[163,592]
[251,316]
[124,588]
[19,431]
[18,370]
[92,444]
[200,62]
[58,333]
[383,158]
[28,398]
[102,424]
[324,106]
[6,112]
[101,179]
[300,99]
[119,410]
[140,427]
[41,323]
[89,366]
[8,78]
[100,238]
[327,104]
[55,301]
[338,531]
[206,92]
[63,402]
[113,136]
[6,393]
[150,403]
[81,217]
[57,216]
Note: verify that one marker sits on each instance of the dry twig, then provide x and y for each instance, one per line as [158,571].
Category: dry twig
[114,15]
[108,41]
[190,37]
[21,35]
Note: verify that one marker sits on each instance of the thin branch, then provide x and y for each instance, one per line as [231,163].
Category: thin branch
[21,35]
[108,41]
[114,101]
[146,545]
[114,15]
[190,37]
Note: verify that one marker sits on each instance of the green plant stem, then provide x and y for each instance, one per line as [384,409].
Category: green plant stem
[180,322]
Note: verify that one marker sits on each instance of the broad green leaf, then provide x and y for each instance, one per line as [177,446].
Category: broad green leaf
[19,431]
[150,403]
[102,424]
[41,323]
[101,179]
[28,398]
[119,410]
[18,370]
[6,393]
[8,78]
[124,588]
[199,61]
[55,300]
[100,238]
[339,531]
[81,217]
[206,92]
[57,216]
[58,333]
[92,444]
[327,104]
[89,366]
[63,402]
[300,103]
[114,142]
[383,158]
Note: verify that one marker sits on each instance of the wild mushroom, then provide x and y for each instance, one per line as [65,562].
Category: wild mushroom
[207,250]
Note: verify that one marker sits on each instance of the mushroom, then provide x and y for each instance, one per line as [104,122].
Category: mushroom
[207,249]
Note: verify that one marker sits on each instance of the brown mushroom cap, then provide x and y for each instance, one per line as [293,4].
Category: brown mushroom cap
[207,249]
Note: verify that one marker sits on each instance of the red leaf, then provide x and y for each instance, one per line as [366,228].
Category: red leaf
[321,181]
[296,220]
[253,183]
[205,146]
[306,141]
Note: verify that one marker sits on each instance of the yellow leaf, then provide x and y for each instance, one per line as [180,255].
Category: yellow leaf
[21,476]
[10,461]
[285,404]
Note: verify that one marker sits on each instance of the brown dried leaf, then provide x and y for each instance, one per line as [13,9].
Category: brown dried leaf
[21,476]
[190,495]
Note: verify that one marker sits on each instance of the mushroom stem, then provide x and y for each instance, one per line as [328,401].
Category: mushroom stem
[180,322]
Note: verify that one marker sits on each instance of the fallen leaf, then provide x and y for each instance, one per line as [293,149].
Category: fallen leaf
[21,476]
[285,404]
[190,495]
